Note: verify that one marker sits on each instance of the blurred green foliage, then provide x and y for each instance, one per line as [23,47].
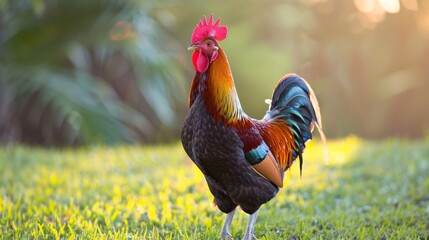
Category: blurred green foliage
[103,71]
[77,72]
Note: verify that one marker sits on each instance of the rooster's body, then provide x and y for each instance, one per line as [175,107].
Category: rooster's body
[242,159]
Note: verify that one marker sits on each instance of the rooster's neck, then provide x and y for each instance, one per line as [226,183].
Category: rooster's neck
[217,88]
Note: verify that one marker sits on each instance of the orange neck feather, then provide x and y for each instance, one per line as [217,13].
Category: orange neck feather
[218,91]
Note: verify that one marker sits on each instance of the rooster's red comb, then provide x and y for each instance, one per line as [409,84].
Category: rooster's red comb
[209,29]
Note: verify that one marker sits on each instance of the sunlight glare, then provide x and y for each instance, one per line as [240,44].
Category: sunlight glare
[390,6]
[365,6]
[152,213]
[374,11]
[377,14]
[371,12]
[342,151]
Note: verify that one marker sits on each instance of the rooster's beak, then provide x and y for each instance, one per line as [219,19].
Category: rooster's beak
[193,46]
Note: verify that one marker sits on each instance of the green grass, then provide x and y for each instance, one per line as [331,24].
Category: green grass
[369,190]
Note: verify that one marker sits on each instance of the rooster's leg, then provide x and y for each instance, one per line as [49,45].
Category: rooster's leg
[225,229]
[250,226]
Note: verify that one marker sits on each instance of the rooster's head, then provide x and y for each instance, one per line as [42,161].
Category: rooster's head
[204,42]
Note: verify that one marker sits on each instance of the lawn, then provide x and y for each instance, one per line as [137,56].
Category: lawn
[369,190]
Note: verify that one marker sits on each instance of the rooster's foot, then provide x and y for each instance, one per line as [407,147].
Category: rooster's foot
[249,237]
[226,235]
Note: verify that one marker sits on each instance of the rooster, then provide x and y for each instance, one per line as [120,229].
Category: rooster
[243,159]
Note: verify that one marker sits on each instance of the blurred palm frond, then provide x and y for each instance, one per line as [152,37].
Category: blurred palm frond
[78,72]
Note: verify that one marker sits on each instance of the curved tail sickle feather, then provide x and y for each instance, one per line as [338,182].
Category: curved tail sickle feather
[293,104]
